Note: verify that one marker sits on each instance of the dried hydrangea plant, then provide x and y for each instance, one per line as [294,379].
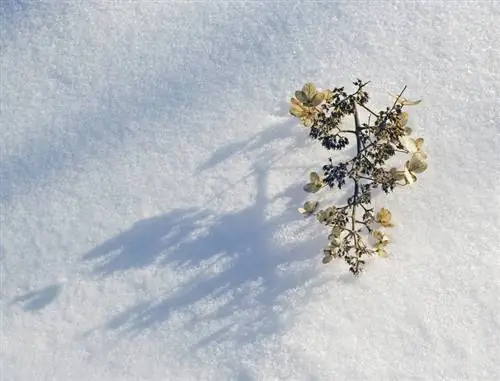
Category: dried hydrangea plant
[356,230]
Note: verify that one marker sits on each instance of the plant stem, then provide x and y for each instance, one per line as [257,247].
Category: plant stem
[358,145]
[356,180]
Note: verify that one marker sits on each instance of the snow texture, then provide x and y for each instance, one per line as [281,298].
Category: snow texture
[151,175]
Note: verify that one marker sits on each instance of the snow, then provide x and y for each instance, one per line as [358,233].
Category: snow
[151,175]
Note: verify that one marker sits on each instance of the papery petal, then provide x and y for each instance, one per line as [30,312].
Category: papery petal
[297,110]
[408,102]
[381,237]
[417,163]
[321,216]
[377,234]
[419,143]
[328,95]
[301,96]
[410,178]
[311,206]
[317,99]
[404,101]
[397,175]
[403,119]
[335,242]
[312,187]
[381,251]
[309,90]
[384,217]
[327,259]
[314,177]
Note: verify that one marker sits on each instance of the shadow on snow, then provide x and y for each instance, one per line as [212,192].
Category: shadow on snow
[37,300]
[243,270]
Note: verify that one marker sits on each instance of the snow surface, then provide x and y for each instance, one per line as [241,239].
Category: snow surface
[150,178]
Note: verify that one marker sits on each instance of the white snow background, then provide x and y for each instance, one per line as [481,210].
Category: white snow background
[151,175]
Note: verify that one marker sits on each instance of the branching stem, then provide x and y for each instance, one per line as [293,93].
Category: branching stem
[356,180]
[376,142]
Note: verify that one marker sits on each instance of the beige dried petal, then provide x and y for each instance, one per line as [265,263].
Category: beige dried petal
[317,99]
[405,101]
[397,175]
[297,110]
[417,163]
[384,217]
[419,143]
[380,236]
[301,96]
[314,177]
[312,187]
[309,208]
[309,95]
[408,102]
[335,242]
[328,95]
[380,249]
[327,259]
[403,119]
[309,90]
[409,177]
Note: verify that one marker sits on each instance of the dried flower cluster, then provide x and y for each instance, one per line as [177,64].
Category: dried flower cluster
[352,226]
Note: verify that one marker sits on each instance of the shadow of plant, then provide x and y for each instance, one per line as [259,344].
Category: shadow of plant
[254,268]
[10,7]
[36,300]
[146,242]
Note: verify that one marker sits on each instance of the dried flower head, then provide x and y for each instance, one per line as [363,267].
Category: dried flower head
[309,208]
[382,242]
[309,95]
[315,184]
[307,115]
[385,134]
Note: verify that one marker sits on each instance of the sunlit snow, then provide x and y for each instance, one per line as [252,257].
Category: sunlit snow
[151,174]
